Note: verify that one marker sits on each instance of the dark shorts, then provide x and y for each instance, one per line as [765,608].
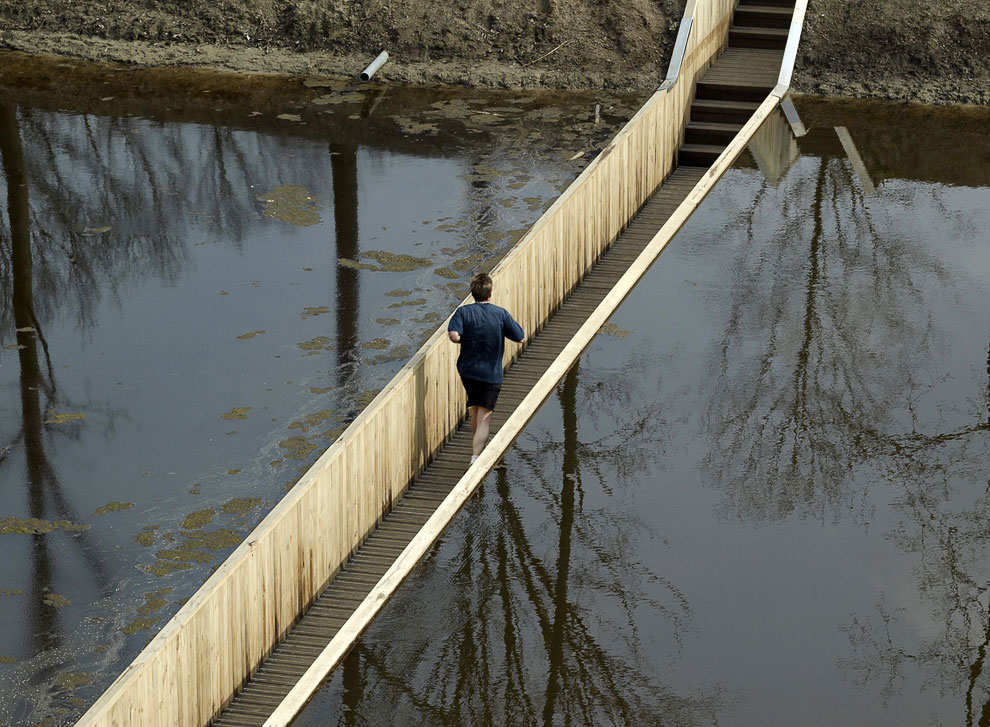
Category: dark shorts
[481,393]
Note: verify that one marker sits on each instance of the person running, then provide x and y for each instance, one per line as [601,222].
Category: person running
[481,329]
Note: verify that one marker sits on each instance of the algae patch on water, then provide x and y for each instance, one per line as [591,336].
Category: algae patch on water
[238,412]
[54,417]
[377,344]
[294,205]
[298,447]
[147,535]
[38,526]
[113,507]
[312,420]
[73,680]
[56,601]
[140,624]
[395,263]
[240,505]
[154,601]
[446,272]
[403,304]
[317,311]
[320,390]
[610,329]
[252,334]
[315,345]
[199,518]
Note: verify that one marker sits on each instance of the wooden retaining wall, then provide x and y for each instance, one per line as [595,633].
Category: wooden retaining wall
[192,668]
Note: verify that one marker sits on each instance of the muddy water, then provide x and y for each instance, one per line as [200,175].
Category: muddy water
[761,497]
[203,278]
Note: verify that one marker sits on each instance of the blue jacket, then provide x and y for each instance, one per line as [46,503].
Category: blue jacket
[483,328]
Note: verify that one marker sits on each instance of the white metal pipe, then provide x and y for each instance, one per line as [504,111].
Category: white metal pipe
[373,67]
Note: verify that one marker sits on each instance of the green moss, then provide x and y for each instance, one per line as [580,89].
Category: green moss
[252,334]
[431,317]
[294,205]
[140,624]
[377,344]
[113,507]
[187,553]
[445,272]
[610,329]
[11,592]
[452,225]
[319,390]
[73,680]
[238,412]
[403,304]
[398,293]
[399,353]
[320,343]
[145,538]
[240,505]
[54,417]
[298,447]
[199,518]
[354,264]
[390,261]
[312,312]
[8,660]
[220,539]
[38,526]
[162,568]
[387,321]
[56,601]
[153,601]
[365,397]
[235,471]
[312,420]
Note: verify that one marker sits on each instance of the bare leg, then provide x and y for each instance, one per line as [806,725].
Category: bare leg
[481,420]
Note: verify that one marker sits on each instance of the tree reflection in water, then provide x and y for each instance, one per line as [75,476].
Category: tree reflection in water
[521,618]
[92,207]
[820,386]
[46,499]
[945,508]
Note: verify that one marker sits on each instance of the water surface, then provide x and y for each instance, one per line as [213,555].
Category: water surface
[761,496]
[203,278]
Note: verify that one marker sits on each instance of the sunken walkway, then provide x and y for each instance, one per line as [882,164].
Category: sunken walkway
[727,95]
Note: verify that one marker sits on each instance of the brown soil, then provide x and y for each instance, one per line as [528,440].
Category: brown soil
[905,49]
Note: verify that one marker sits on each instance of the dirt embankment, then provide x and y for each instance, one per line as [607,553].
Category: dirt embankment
[906,49]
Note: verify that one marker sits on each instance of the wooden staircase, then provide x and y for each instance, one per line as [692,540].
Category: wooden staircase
[732,89]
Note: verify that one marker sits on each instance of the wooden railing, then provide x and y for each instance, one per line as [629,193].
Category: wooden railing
[193,667]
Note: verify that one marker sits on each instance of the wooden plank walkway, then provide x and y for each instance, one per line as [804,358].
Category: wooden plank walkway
[742,73]
[252,706]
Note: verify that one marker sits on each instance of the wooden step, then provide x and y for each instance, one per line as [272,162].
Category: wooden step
[758,38]
[700,132]
[733,90]
[723,112]
[762,16]
[699,155]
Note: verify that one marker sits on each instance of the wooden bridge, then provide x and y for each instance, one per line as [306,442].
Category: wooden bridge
[261,635]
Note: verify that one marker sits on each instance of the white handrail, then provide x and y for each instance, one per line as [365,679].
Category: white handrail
[680,46]
[790,50]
